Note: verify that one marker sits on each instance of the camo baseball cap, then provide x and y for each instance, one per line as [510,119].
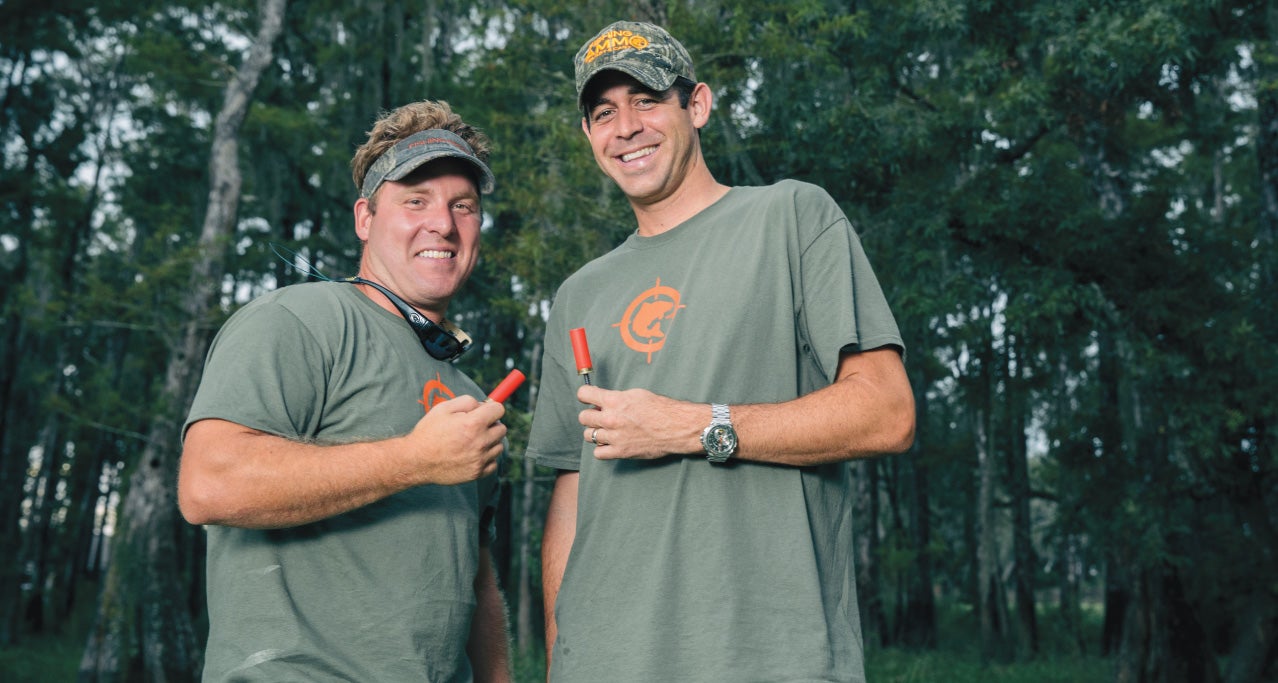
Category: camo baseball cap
[642,50]
[419,148]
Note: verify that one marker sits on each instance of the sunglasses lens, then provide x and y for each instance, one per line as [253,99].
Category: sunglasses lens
[440,346]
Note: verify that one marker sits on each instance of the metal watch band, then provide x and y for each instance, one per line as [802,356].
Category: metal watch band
[719,438]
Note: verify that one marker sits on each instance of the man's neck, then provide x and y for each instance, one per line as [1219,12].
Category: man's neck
[692,197]
[379,298]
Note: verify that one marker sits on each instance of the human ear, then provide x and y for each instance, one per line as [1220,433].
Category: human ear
[363,218]
[700,103]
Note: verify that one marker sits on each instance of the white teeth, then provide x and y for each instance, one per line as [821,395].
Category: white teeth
[638,153]
[434,253]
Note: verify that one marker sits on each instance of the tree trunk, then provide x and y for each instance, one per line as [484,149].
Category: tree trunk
[894,528]
[1267,151]
[1254,651]
[1163,642]
[13,438]
[524,618]
[35,547]
[77,530]
[920,628]
[1068,581]
[986,564]
[1070,575]
[144,630]
[1025,560]
[13,465]
[991,603]
[869,577]
[1117,597]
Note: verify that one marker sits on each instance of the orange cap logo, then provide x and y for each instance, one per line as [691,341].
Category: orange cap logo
[435,392]
[644,325]
[613,41]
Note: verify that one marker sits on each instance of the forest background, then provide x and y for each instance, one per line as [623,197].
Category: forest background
[1071,205]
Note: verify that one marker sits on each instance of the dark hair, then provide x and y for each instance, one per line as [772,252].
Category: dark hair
[683,87]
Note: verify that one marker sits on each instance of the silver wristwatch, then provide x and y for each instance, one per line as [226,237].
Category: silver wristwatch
[719,439]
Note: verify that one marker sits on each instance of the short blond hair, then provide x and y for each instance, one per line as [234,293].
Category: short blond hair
[393,126]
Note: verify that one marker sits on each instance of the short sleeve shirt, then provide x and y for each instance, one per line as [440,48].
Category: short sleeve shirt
[384,592]
[681,569]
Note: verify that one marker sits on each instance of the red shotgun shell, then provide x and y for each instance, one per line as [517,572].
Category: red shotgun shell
[580,350]
[507,386]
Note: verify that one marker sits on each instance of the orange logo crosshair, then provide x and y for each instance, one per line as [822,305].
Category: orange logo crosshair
[435,392]
[643,327]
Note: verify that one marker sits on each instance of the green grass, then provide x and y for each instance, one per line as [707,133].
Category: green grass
[958,659]
[46,659]
[56,658]
[530,668]
[895,665]
[901,666]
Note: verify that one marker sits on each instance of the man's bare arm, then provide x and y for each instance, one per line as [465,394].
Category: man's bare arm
[489,644]
[556,543]
[236,476]
[868,410]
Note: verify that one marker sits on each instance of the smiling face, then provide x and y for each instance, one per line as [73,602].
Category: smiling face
[645,141]
[422,241]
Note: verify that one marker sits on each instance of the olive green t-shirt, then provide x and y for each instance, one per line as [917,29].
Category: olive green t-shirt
[682,570]
[382,593]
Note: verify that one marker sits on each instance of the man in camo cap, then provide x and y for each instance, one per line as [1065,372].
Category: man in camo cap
[644,51]
[743,352]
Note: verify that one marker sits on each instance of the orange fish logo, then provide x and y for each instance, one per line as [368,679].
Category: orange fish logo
[644,325]
[435,392]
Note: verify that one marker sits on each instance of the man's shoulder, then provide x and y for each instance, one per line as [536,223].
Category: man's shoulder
[310,305]
[307,294]
[304,299]
[798,190]
[601,264]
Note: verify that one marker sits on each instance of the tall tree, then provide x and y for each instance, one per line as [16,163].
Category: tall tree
[144,629]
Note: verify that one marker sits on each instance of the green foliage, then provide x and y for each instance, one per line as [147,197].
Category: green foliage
[1069,189]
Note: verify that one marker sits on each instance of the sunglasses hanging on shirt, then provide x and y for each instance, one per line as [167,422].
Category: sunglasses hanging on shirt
[443,341]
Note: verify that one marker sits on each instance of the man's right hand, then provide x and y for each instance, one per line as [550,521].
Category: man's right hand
[458,441]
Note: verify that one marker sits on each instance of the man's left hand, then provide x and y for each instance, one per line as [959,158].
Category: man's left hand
[638,424]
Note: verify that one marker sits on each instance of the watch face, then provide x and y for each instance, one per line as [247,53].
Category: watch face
[720,440]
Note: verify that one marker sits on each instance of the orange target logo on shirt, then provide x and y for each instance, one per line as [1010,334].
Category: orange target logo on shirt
[647,319]
[435,391]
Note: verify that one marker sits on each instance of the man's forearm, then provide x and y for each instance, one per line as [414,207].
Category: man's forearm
[235,476]
[489,643]
[556,544]
[868,410]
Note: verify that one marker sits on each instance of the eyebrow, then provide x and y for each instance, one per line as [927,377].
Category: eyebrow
[635,89]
